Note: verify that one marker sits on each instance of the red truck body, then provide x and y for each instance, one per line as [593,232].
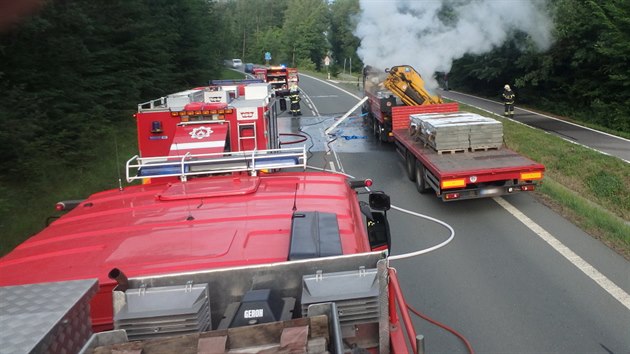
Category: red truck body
[147,230]
[451,175]
[213,199]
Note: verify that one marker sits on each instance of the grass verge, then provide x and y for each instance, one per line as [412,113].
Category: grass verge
[26,207]
[590,189]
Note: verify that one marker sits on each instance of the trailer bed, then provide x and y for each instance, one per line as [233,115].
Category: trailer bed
[463,161]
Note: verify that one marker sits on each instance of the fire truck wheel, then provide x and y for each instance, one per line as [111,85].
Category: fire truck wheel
[421,183]
[411,168]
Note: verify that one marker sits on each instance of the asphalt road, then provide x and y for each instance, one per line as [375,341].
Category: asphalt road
[517,278]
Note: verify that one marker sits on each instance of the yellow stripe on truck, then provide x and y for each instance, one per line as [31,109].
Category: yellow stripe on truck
[531,175]
[453,183]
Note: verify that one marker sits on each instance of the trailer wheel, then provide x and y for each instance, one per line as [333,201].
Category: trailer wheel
[421,183]
[410,161]
[376,128]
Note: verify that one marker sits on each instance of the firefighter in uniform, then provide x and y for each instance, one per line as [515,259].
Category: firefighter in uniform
[294,97]
[508,100]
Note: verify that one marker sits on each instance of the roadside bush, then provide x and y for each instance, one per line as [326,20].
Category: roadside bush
[306,64]
[333,69]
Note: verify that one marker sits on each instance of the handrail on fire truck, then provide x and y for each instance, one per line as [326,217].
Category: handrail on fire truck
[153,104]
[234,82]
[215,163]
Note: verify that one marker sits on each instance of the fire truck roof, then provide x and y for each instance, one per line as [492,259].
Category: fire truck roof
[163,228]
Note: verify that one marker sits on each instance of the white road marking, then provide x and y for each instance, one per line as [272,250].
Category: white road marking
[549,117]
[338,161]
[599,278]
[329,84]
[310,103]
[543,115]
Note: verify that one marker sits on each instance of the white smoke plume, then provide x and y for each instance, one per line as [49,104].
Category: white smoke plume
[416,32]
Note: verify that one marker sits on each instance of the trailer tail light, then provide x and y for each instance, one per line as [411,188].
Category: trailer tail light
[451,196]
[528,176]
[453,183]
[529,187]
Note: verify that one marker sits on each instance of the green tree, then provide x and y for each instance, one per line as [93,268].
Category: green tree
[583,75]
[78,67]
[305,26]
[270,40]
[343,42]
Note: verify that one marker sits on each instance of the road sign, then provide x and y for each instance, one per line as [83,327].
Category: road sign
[267,56]
[327,60]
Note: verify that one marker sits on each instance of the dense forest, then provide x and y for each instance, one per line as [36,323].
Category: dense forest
[72,72]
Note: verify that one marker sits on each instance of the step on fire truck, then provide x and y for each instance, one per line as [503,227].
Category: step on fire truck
[227,243]
[456,155]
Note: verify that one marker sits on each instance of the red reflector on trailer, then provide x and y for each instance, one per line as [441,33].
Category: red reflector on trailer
[449,196]
[528,188]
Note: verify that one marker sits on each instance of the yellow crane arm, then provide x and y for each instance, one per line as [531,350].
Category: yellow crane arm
[405,82]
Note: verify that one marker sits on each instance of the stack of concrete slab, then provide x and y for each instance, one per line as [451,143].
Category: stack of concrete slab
[456,131]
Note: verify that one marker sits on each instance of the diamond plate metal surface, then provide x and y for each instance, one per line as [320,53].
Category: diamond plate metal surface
[46,317]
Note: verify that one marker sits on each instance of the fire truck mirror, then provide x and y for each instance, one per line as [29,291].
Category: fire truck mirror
[378,231]
[379,201]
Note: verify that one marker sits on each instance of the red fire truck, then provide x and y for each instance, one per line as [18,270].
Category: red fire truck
[281,78]
[226,230]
